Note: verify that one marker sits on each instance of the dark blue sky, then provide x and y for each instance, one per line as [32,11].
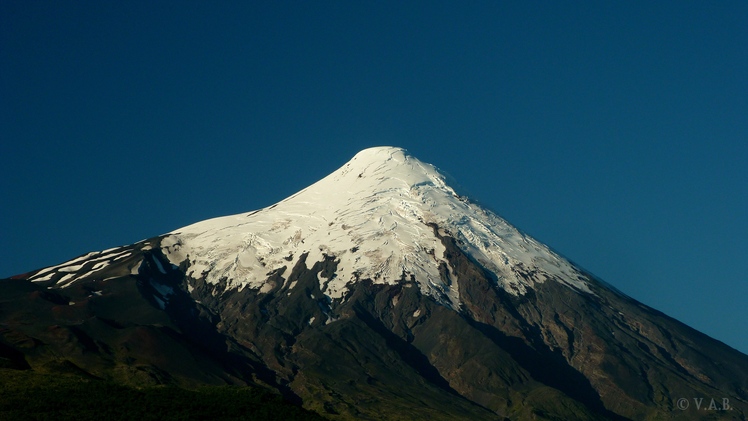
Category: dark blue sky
[615,132]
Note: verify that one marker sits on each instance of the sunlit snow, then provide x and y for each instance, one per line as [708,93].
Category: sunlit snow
[373,216]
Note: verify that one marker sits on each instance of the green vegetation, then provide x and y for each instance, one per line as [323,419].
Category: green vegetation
[26,395]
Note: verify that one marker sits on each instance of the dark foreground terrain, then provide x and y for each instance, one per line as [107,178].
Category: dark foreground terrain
[27,395]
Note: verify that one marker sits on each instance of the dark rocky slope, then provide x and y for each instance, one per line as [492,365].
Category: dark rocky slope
[384,352]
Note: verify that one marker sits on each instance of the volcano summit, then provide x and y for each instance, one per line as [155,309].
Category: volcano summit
[381,216]
[378,292]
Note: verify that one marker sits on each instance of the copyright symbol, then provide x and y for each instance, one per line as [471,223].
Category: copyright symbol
[682,404]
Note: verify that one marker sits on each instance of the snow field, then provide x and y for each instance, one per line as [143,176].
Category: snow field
[372,215]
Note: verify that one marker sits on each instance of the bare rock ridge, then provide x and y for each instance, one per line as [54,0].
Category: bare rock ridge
[378,292]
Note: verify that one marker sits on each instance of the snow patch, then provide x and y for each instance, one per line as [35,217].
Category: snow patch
[66,280]
[135,269]
[266,287]
[99,266]
[122,256]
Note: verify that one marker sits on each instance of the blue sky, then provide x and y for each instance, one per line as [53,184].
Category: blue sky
[615,132]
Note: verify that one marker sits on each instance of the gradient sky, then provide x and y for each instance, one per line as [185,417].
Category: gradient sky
[615,132]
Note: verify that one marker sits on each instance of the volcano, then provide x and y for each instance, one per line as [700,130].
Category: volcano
[378,292]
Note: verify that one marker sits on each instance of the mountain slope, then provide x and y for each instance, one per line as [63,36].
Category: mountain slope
[376,293]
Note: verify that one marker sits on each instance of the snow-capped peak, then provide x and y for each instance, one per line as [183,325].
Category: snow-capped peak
[376,215]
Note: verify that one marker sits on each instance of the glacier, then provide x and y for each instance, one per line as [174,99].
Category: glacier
[381,216]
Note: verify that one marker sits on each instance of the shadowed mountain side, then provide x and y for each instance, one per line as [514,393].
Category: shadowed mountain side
[113,329]
[606,350]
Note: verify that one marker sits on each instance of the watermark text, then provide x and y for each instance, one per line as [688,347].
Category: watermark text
[703,404]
